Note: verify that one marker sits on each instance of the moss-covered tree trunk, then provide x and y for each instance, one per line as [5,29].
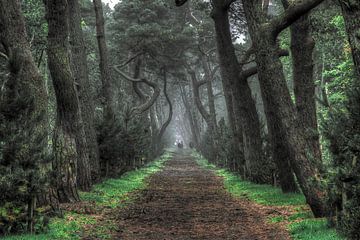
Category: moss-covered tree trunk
[68,140]
[80,71]
[280,112]
[244,104]
[302,48]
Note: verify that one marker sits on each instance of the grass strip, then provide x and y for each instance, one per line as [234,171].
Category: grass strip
[112,193]
[302,225]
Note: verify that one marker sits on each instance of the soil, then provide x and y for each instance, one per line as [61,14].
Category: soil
[185,201]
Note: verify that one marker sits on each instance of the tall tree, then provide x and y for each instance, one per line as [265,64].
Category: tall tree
[23,113]
[302,48]
[280,111]
[68,140]
[80,71]
[107,91]
[207,116]
[236,81]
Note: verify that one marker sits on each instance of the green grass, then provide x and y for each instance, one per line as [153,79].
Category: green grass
[262,194]
[301,224]
[111,193]
[313,229]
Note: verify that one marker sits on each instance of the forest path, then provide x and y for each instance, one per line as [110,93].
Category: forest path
[185,201]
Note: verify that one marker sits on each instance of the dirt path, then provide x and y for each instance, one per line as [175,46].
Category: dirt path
[185,201]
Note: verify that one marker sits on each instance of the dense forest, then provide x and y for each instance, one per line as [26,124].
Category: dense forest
[90,91]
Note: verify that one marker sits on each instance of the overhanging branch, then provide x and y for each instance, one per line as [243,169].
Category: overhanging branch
[291,14]
[151,100]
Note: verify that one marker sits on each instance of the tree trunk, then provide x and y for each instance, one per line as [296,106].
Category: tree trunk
[351,13]
[168,120]
[104,62]
[280,111]
[302,47]
[209,90]
[236,130]
[68,122]
[192,122]
[211,126]
[245,108]
[80,70]
[154,130]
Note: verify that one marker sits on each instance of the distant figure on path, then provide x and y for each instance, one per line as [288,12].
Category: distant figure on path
[180,145]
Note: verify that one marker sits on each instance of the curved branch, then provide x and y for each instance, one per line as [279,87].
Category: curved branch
[151,100]
[253,70]
[7,54]
[199,105]
[168,120]
[291,14]
[3,55]
[180,2]
[130,60]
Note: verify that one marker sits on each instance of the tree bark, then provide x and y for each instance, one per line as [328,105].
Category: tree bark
[302,47]
[107,92]
[204,113]
[192,121]
[280,111]
[80,70]
[245,108]
[351,13]
[168,120]
[67,158]
[210,93]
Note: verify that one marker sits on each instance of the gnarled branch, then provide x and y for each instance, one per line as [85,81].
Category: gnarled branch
[196,85]
[168,120]
[151,100]
[180,2]
[253,70]
[291,14]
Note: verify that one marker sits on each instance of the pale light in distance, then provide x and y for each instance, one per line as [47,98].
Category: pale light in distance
[111,3]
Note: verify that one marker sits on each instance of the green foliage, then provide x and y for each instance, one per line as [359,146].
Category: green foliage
[343,132]
[36,25]
[132,148]
[342,76]
[227,151]
[23,155]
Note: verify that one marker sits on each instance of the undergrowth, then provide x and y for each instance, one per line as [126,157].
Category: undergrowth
[110,194]
[302,224]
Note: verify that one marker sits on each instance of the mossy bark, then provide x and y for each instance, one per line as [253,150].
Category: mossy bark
[80,71]
[280,111]
[68,139]
[244,104]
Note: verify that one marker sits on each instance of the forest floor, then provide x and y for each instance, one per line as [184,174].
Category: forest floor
[181,196]
[186,201]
